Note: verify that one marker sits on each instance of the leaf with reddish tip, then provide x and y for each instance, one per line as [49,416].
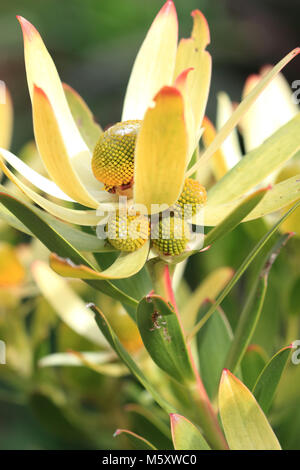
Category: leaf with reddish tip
[154,64]
[185,435]
[138,442]
[55,130]
[244,423]
[126,265]
[161,152]
[63,168]
[163,338]
[267,383]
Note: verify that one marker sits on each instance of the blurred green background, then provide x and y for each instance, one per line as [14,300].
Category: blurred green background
[94,43]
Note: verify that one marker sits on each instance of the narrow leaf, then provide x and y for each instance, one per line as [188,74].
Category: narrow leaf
[267,383]
[127,359]
[138,442]
[252,309]
[185,435]
[241,110]
[55,242]
[248,260]
[126,265]
[252,364]
[213,343]
[235,217]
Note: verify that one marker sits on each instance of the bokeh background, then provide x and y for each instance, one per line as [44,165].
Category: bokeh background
[94,43]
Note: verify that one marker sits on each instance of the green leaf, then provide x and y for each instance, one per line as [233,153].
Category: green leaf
[266,384]
[258,164]
[278,197]
[138,442]
[210,287]
[248,260]
[235,217]
[80,240]
[244,423]
[163,338]
[252,309]
[127,359]
[185,435]
[72,309]
[90,131]
[126,265]
[252,364]
[213,343]
[55,242]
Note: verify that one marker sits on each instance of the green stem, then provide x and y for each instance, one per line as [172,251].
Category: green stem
[160,274]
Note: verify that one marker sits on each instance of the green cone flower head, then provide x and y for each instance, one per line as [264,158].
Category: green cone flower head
[171,235]
[113,157]
[192,197]
[127,232]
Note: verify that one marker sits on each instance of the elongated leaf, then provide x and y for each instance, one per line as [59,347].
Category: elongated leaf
[266,384]
[154,64]
[213,343]
[281,195]
[185,435]
[244,423]
[252,364]
[126,265]
[64,152]
[241,110]
[80,240]
[235,217]
[70,308]
[73,174]
[55,242]
[73,216]
[210,287]
[127,359]
[252,255]
[161,152]
[138,442]
[163,338]
[252,309]
[70,359]
[89,129]
[258,164]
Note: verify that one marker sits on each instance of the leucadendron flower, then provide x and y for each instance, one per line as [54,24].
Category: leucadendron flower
[148,156]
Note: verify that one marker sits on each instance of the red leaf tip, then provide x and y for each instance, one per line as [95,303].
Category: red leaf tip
[27,28]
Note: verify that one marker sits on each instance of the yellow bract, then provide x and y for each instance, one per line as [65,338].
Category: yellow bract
[6,116]
[12,272]
[161,152]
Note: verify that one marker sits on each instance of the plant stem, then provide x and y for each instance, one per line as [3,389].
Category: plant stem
[162,283]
